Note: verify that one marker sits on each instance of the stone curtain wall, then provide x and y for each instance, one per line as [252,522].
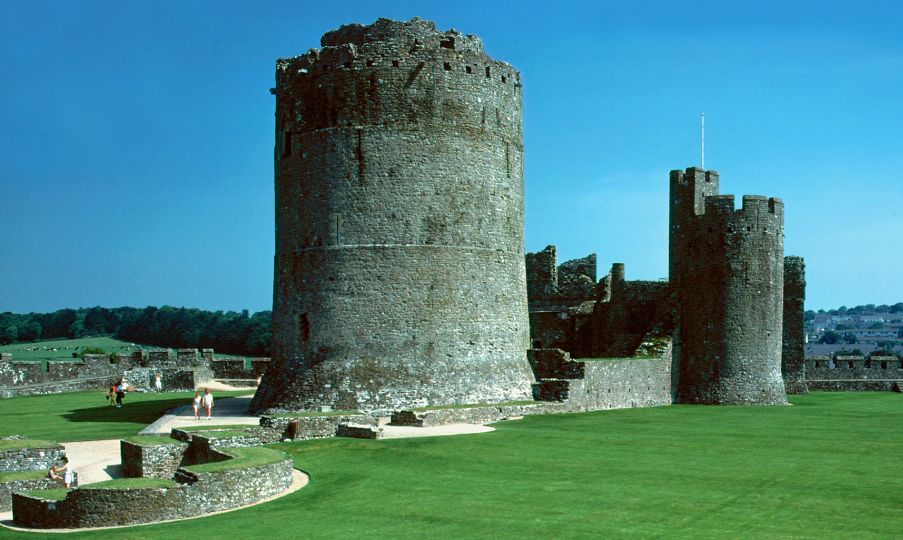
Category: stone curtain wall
[730,290]
[399,272]
[793,364]
[853,373]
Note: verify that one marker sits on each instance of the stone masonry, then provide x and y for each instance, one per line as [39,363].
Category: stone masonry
[399,270]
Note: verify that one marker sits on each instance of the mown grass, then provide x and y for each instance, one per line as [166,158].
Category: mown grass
[150,440]
[56,494]
[16,444]
[23,475]
[823,468]
[242,458]
[216,427]
[132,483]
[65,348]
[85,416]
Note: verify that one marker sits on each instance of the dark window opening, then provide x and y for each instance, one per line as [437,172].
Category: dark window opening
[817,364]
[850,364]
[537,344]
[394,63]
[883,364]
[468,69]
[369,63]
[447,66]
[304,327]
[447,43]
[287,143]
[504,79]
[488,73]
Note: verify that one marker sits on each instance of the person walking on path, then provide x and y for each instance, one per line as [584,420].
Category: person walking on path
[120,393]
[158,384]
[208,401]
[197,404]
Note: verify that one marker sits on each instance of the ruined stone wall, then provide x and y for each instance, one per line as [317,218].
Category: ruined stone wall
[150,460]
[32,458]
[793,366]
[399,270]
[606,383]
[730,288]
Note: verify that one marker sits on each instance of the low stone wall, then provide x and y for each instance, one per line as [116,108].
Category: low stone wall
[596,384]
[32,459]
[312,427]
[151,460]
[58,387]
[8,488]
[197,494]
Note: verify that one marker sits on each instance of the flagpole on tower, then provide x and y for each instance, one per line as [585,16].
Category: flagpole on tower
[702,120]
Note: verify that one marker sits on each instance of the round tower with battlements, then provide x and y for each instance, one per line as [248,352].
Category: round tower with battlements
[399,269]
[730,290]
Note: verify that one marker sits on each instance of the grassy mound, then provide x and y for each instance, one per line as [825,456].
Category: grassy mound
[242,458]
[22,475]
[132,483]
[150,440]
[56,494]
[18,444]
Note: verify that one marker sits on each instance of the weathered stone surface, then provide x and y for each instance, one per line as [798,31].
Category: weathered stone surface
[359,431]
[32,459]
[151,460]
[611,383]
[311,427]
[399,254]
[793,364]
[8,488]
[853,373]
[727,268]
[197,494]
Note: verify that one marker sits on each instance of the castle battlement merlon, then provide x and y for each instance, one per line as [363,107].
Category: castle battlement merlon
[757,213]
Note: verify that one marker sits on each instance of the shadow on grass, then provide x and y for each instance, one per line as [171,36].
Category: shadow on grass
[141,412]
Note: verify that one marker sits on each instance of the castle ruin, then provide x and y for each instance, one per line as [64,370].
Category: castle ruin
[399,270]
[400,273]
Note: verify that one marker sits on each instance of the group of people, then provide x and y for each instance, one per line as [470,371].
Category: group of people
[117,393]
[202,401]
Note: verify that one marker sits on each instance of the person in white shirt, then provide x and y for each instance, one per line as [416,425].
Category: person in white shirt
[208,401]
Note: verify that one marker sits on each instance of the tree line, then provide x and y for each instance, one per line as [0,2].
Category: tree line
[228,332]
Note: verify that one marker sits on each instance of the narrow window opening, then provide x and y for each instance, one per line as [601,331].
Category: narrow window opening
[883,364]
[394,63]
[488,73]
[287,143]
[850,364]
[504,79]
[304,327]
[447,66]
[468,69]
[447,43]
[370,63]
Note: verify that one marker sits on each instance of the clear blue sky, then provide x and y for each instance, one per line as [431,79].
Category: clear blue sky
[136,138]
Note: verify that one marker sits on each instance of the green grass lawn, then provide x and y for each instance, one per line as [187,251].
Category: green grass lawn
[85,416]
[65,348]
[823,468]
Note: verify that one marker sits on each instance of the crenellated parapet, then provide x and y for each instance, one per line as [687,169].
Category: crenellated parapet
[727,269]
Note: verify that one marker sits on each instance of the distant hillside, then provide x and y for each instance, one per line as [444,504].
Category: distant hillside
[868,309]
[227,332]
